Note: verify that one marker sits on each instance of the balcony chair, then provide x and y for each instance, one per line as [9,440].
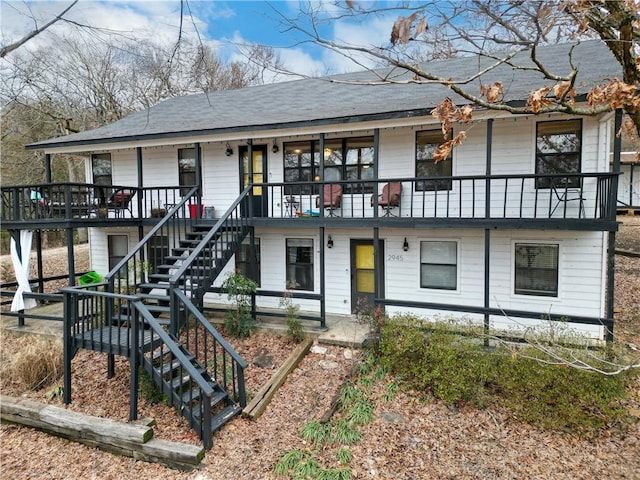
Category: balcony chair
[332,199]
[121,201]
[389,198]
[564,194]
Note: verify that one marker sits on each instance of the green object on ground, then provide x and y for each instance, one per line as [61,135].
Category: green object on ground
[89,278]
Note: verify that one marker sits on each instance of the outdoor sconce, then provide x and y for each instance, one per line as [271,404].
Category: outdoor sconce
[229,150]
[275,148]
[405,245]
[330,242]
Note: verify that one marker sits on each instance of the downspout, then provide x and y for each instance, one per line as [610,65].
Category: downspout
[613,202]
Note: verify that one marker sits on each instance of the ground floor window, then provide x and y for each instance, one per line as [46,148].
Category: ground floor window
[300,263]
[243,261]
[118,247]
[439,265]
[536,269]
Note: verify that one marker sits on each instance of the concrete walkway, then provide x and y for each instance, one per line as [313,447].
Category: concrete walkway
[342,330]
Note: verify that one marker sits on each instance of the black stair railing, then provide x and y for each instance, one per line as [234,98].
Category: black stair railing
[133,269]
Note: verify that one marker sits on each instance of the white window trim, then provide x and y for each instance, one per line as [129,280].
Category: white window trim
[441,291]
[537,299]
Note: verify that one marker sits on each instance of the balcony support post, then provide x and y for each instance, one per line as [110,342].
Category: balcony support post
[47,167]
[487,231]
[198,160]
[323,310]
[613,201]
[321,176]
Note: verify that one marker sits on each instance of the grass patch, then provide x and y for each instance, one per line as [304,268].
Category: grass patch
[35,362]
[459,369]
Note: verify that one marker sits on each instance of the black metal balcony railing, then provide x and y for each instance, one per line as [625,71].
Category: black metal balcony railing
[584,196]
[460,197]
[53,202]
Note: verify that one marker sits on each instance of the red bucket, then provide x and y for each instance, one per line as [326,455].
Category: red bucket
[193,210]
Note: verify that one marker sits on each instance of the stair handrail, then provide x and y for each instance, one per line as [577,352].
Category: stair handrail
[188,261]
[157,227]
[242,363]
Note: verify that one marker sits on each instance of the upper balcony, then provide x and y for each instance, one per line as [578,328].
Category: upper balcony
[584,201]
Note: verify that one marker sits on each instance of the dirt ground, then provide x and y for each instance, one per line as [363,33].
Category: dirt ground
[408,439]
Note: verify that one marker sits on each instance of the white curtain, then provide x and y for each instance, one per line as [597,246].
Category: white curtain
[22,271]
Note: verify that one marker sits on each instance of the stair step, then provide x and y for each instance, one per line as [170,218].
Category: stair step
[154,297]
[222,417]
[194,394]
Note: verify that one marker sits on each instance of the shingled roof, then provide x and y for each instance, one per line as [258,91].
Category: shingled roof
[341,98]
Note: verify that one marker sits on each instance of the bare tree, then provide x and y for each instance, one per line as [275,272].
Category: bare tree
[496,30]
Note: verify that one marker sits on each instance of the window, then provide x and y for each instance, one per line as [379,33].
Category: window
[558,148]
[344,159]
[300,165]
[300,263]
[101,169]
[439,265]
[243,260]
[118,247]
[426,144]
[186,169]
[158,249]
[536,269]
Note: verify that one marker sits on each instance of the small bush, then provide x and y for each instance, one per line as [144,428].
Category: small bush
[240,290]
[36,363]
[294,325]
[456,367]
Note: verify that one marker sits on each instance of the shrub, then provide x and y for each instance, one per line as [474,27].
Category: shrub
[456,367]
[292,311]
[240,290]
[36,362]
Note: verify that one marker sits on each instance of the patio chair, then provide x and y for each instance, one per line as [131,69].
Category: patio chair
[389,198]
[332,199]
[120,201]
[563,195]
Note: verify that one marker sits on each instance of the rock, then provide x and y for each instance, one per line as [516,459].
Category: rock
[328,365]
[318,349]
[392,417]
[348,354]
[264,360]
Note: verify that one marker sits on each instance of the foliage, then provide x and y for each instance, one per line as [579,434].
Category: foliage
[37,363]
[456,367]
[149,390]
[292,310]
[240,290]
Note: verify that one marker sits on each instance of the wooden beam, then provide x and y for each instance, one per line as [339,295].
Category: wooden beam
[127,439]
[258,404]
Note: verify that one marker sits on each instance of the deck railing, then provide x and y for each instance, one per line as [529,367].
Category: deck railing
[584,196]
[52,202]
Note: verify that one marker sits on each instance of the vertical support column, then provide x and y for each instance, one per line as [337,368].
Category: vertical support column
[198,179]
[15,234]
[39,260]
[321,175]
[613,202]
[250,174]
[70,313]
[140,192]
[253,270]
[487,231]
[323,311]
[376,173]
[134,364]
[71,263]
[633,166]
[47,167]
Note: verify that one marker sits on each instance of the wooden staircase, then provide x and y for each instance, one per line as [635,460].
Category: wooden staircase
[142,315]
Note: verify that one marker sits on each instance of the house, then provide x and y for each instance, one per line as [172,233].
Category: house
[329,187]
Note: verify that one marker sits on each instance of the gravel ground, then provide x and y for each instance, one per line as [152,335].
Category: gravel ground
[409,438]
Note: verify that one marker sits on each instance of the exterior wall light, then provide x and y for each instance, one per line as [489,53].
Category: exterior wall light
[229,151]
[405,245]
[275,148]
[330,242]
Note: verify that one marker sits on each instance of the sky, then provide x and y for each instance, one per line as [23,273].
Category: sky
[223,24]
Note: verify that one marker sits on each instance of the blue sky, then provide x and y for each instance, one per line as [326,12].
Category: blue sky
[223,24]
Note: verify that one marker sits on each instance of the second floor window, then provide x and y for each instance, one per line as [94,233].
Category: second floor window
[300,165]
[426,144]
[186,169]
[558,149]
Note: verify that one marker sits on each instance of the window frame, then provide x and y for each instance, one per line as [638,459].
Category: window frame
[242,266]
[564,128]
[531,292]
[456,265]
[292,284]
[112,259]
[443,168]
[98,179]
[186,171]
